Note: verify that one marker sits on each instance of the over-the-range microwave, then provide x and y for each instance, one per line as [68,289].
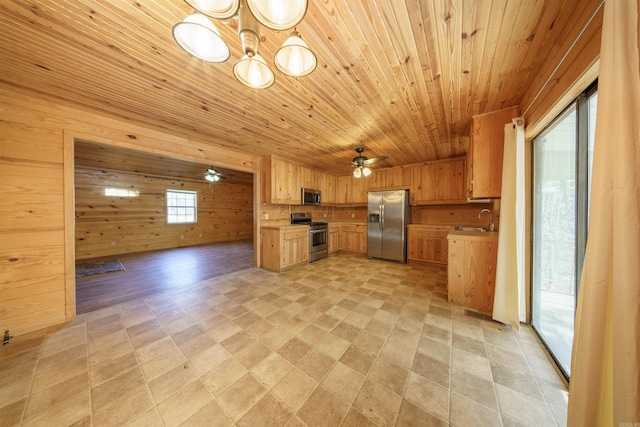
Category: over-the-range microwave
[310,197]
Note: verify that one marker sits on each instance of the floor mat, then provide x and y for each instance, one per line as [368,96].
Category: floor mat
[98,267]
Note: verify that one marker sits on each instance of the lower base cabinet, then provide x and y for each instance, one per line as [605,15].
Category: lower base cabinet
[472,270]
[284,247]
[427,243]
[353,237]
[334,237]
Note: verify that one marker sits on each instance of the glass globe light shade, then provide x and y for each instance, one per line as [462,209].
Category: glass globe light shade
[217,9]
[295,58]
[357,173]
[278,14]
[253,71]
[366,171]
[199,37]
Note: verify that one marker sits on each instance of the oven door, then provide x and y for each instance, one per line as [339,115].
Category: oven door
[318,244]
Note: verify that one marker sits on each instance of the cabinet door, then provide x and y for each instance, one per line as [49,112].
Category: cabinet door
[362,239]
[295,247]
[334,239]
[310,178]
[285,182]
[472,274]
[428,245]
[423,188]
[350,190]
[456,274]
[353,238]
[377,180]
[450,181]
[327,187]
[486,149]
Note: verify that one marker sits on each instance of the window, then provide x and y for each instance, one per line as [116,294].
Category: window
[562,159]
[181,206]
[120,192]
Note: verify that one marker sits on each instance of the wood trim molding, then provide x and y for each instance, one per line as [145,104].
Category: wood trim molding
[69,225]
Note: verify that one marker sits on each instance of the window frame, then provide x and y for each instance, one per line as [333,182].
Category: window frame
[168,207]
[581,206]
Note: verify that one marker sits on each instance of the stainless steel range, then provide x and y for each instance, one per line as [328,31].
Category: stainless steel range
[318,235]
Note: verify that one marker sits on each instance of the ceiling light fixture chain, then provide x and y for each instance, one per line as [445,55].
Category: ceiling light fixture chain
[198,36]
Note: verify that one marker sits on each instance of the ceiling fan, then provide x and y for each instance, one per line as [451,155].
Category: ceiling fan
[362,163]
[213,175]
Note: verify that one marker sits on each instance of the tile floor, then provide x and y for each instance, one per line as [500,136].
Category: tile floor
[343,341]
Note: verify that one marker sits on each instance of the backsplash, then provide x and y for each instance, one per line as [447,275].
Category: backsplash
[430,214]
[456,214]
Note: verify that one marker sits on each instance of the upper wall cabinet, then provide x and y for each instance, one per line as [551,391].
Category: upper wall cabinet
[390,178]
[328,188]
[282,182]
[439,182]
[310,178]
[486,147]
[351,191]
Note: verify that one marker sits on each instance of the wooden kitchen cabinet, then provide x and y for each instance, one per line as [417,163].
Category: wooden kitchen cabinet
[282,182]
[486,148]
[427,243]
[334,237]
[451,182]
[351,191]
[423,184]
[439,182]
[472,269]
[394,178]
[310,178]
[353,237]
[327,187]
[284,247]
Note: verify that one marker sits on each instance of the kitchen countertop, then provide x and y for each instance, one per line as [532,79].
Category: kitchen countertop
[438,226]
[486,236]
[283,226]
[288,226]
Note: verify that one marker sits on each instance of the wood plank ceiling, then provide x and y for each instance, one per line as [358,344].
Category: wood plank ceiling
[399,77]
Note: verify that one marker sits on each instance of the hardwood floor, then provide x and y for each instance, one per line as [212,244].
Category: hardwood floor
[150,273]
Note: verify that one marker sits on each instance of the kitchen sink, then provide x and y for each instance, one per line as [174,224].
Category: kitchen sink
[459,228]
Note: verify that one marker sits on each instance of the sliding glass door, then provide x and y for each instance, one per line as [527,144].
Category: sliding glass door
[561,184]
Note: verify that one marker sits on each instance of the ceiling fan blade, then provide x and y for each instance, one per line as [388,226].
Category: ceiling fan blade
[374,160]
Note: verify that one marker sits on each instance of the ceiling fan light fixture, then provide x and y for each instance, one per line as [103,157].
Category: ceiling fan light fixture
[295,58]
[278,14]
[216,9]
[366,171]
[253,71]
[212,175]
[198,36]
[357,173]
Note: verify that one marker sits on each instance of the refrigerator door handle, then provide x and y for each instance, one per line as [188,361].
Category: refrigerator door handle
[382,216]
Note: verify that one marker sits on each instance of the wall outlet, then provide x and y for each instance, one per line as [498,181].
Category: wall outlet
[266,216]
[113,243]
[353,215]
[325,214]
[200,235]
[182,237]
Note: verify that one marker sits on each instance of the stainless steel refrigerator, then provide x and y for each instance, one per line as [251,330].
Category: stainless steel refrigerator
[387,218]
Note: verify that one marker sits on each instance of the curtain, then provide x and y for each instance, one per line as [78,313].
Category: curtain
[606,346]
[509,305]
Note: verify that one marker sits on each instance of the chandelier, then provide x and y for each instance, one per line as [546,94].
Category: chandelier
[198,35]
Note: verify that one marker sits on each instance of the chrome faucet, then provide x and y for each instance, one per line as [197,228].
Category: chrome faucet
[491,226]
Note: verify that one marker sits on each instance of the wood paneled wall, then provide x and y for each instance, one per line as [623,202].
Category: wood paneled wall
[117,225]
[466,215]
[37,260]
[579,69]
